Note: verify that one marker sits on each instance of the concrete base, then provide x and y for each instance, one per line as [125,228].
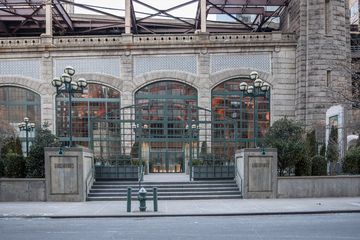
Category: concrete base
[68,173]
[256,172]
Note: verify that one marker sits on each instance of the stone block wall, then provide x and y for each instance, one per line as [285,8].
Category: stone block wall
[22,189]
[322,55]
[327,186]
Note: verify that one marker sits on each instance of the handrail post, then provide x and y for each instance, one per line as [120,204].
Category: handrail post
[129,199]
[155,199]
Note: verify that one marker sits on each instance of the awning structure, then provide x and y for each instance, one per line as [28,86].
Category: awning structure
[28,17]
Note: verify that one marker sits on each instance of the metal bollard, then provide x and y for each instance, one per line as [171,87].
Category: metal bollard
[142,199]
[129,199]
[155,198]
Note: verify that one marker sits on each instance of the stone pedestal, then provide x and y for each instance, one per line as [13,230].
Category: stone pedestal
[256,172]
[68,173]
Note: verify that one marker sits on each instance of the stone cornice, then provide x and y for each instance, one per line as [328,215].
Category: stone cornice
[134,42]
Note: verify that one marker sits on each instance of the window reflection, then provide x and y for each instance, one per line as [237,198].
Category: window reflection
[17,103]
[228,102]
[97,102]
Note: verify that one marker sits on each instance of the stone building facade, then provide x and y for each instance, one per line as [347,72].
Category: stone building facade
[305,63]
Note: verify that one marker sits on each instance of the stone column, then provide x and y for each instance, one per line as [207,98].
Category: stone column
[47,91]
[127,17]
[203,15]
[48,12]
[127,100]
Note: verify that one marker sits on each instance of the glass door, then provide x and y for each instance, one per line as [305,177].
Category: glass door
[166,160]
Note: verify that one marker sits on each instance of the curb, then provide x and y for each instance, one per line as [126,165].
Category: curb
[152,215]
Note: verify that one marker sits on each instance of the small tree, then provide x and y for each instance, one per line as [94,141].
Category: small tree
[351,164]
[287,136]
[332,150]
[35,163]
[311,145]
[303,166]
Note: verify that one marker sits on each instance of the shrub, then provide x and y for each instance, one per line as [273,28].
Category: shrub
[197,162]
[11,145]
[351,164]
[287,136]
[137,162]
[332,150]
[303,166]
[311,145]
[35,163]
[318,166]
[14,165]
[2,170]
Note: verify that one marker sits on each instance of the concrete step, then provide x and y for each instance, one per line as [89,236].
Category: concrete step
[160,185]
[200,197]
[112,194]
[117,191]
[123,183]
[150,190]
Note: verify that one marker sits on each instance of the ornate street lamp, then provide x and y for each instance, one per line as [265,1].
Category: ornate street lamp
[66,84]
[27,127]
[256,89]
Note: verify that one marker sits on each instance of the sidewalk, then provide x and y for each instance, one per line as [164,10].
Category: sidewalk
[181,208]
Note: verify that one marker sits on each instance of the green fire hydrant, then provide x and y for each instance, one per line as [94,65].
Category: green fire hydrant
[142,199]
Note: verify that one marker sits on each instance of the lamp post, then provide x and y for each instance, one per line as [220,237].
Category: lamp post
[27,127]
[254,90]
[66,84]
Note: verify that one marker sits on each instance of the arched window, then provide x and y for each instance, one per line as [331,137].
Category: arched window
[17,103]
[97,102]
[251,113]
[168,103]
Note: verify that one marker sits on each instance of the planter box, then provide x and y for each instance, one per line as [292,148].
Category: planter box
[117,173]
[213,172]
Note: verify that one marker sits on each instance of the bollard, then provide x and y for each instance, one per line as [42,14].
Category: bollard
[129,199]
[142,199]
[155,198]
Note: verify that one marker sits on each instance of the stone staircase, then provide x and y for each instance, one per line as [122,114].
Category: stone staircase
[117,190]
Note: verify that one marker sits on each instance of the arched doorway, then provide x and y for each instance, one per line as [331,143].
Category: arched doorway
[167,108]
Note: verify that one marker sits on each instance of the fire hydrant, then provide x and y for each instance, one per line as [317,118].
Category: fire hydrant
[142,199]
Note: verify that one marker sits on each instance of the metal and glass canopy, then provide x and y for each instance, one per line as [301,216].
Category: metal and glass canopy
[28,17]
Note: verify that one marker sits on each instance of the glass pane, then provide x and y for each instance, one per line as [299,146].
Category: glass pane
[228,102]
[97,102]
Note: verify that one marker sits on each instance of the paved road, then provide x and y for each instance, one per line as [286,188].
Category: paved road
[328,226]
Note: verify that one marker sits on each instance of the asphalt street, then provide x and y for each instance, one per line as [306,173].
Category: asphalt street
[325,226]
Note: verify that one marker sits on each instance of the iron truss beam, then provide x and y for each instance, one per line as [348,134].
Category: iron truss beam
[27,17]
